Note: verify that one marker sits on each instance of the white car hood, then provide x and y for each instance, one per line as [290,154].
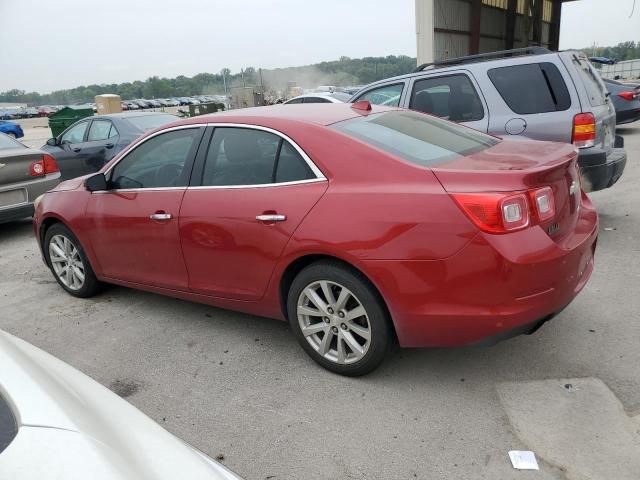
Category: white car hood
[71,427]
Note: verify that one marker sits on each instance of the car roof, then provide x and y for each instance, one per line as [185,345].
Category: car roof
[310,113]
[126,115]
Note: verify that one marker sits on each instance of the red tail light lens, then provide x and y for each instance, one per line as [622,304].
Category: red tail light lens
[544,203]
[627,95]
[495,212]
[43,167]
[507,212]
[584,130]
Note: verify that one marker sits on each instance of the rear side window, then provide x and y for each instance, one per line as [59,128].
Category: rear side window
[595,87]
[388,95]
[451,97]
[415,137]
[244,156]
[316,100]
[532,88]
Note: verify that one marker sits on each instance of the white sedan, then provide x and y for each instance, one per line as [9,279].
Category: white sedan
[57,423]
[335,97]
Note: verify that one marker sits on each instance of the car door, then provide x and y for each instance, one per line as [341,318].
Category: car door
[102,138]
[452,96]
[134,224]
[252,188]
[69,152]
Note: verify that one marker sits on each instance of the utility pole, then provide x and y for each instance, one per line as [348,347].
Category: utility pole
[226,94]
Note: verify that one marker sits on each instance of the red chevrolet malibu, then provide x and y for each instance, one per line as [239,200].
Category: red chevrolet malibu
[356,224]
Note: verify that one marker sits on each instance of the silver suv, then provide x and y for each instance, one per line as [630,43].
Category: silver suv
[530,92]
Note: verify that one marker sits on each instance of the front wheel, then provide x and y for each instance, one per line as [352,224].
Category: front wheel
[338,318]
[69,263]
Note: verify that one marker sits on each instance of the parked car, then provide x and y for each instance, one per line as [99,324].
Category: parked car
[57,423]
[10,128]
[132,105]
[626,99]
[335,97]
[88,144]
[25,174]
[532,93]
[369,223]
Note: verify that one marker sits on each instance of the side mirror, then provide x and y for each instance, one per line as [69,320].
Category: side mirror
[96,183]
[52,142]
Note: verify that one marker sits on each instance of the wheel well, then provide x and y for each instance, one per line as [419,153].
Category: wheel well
[300,263]
[47,223]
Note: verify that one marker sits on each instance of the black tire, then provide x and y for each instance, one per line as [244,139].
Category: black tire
[91,285]
[377,318]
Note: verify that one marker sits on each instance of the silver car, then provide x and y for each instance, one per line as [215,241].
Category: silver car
[529,92]
[25,174]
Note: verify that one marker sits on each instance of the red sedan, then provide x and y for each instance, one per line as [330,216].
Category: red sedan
[358,225]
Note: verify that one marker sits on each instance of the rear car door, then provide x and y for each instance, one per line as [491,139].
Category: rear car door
[453,96]
[531,100]
[251,189]
[134,224]
[102,138]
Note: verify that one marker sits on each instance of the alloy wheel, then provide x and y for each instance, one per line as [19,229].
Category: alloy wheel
[66,262]
[334,322]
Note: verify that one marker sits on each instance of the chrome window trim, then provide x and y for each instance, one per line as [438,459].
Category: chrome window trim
[316,171]
[214,187]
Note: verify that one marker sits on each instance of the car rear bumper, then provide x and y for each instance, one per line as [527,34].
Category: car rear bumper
[599,170]
[498,286]
[627,116]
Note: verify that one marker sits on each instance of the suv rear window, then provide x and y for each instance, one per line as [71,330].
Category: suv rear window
[416,137]
[531,88]
[596,90]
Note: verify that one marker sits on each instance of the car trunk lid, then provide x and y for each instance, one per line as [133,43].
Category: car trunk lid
[15,164]
[521,166]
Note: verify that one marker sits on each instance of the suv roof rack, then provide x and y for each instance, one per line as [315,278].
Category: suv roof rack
[516,52]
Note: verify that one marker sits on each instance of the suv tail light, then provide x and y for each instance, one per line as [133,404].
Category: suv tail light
[44,166]
[584,130]
[630,96]
[507,212]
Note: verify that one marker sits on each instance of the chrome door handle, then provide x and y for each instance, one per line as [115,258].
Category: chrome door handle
[271,218]
[160,216]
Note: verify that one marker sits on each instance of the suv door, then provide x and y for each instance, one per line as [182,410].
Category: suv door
[134,224]
[102,137]
[252,187]
[452,95]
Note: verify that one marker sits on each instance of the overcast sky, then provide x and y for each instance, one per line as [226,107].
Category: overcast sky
[54,44]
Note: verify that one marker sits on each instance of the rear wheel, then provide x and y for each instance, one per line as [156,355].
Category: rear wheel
[68,262]
[338,318]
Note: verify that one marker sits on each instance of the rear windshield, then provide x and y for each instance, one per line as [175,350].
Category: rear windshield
[7,142]
[149,122]
[596,90]
[416,137]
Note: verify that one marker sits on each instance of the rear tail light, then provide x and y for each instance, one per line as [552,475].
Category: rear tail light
[507,212]
[44,166]
[584,130]
[628,95]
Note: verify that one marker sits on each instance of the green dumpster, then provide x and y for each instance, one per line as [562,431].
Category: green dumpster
[205,108]
[64,118]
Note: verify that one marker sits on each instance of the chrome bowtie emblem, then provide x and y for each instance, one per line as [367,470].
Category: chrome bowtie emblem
[573,189]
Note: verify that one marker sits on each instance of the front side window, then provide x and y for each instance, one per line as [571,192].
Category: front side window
[101,130]
[415,137]
[157,163]
[75,134]
[388,95]
[531,88]
[452,97]
[244,156]
[295,100]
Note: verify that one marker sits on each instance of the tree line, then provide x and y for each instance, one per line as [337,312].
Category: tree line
[342,72]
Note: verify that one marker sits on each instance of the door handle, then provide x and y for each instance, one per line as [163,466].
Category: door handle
[76,149]
[109,145]
[270,218]
[160,216]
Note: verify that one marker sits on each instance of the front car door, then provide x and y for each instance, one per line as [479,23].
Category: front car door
[251,189]
[452,96]
[69,153]
[134,223]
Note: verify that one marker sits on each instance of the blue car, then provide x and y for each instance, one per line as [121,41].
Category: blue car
[11,128]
